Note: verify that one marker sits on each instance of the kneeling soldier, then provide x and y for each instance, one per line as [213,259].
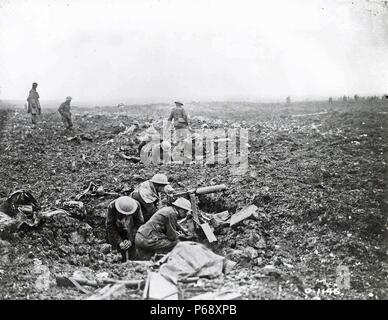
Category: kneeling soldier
[159,234]
[123,218]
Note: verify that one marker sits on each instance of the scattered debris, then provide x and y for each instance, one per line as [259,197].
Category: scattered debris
[130,158]
[243,214]
[158,288]
[75,208]
[192,259]
[208,232]
[221,295]
[109,292]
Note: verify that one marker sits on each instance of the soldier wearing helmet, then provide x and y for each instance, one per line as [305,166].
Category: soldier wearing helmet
[147,194]
[159,234]
[123,218]
[64,111]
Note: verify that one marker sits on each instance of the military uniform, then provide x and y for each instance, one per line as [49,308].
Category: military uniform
[178,114]
[121,227]
[148,198]
[64,110]
[33,105]
[158,235]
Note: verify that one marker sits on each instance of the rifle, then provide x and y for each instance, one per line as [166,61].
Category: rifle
[193,193]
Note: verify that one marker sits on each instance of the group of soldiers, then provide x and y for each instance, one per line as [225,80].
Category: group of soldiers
[178,114]
[35,109]
[135,226]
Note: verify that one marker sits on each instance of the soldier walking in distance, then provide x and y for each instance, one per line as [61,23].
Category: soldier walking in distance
[64,111]
[33,104]
[178,114]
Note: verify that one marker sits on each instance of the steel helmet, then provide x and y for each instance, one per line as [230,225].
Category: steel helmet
[68,98]
[165,145]
[159,178]
[126,205]
[182,203]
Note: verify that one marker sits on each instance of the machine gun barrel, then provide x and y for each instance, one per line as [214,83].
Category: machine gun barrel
[201,190]
[211,189]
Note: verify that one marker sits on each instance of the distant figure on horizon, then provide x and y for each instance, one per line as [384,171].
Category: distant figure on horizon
[33,104]
[64,111]
[181,123]
[288,100]
[330,100]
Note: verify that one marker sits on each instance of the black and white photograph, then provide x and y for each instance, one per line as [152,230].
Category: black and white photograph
[202,150]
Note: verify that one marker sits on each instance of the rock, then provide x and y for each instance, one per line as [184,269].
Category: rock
[43,281]
[102,275]
[106,248]
[83,274]
[251,252]
[76,208]
[5,249]
[270,270]
[259,261]
[81,250]
[76,238]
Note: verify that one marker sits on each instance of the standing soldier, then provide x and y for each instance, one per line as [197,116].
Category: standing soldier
[64,111]
[33,103]
[159,234]
[330,100]
[178,114]
[147,194]
[288,100]
[123,218]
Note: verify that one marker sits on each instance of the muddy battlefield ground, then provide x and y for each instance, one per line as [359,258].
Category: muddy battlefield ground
[317,172]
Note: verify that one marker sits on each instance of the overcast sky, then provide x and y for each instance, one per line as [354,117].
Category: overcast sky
[165,50]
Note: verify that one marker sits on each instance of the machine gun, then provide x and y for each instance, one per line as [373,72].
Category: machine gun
[192,194]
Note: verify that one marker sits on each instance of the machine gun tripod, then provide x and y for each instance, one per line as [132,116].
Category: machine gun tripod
[199,220]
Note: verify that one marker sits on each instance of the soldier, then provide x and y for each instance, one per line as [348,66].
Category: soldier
[330,100]
[147,194]
[123,218]
[288,100]
[33,104]
[178,114]
[64,111]
[159,234]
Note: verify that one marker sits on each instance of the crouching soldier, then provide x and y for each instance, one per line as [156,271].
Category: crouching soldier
[147,194]
[159,234]
[123,218]
[64,111]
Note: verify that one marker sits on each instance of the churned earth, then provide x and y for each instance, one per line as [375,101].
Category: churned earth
[317,172]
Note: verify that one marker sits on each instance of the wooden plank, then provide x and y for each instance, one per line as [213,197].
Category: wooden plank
[110,292]
[146,287]
[223,295]
[243,214]
[208,232]
[194,207]
[161,289]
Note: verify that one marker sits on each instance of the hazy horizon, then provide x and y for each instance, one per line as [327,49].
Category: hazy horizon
[159,51]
